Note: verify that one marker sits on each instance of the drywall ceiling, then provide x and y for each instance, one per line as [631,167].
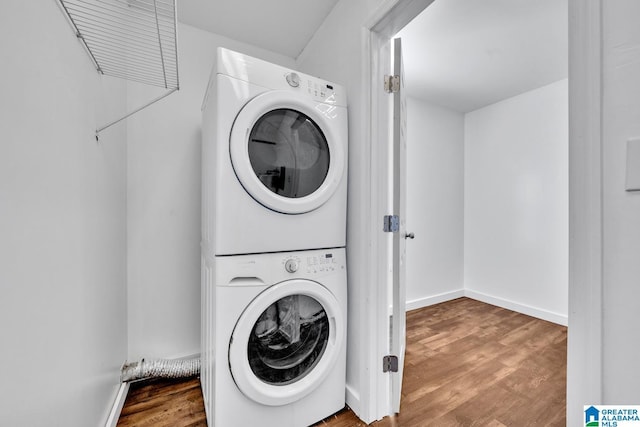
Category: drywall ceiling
[466,54]
[282,26]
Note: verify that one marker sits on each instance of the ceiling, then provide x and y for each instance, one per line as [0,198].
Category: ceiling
[282,26]
[461,54]
[465,54]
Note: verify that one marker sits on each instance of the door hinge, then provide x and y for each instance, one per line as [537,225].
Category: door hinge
[390,363]
[391,224]
[391,84]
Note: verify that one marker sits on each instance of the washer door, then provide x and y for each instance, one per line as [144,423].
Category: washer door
[285,342]
[285,151]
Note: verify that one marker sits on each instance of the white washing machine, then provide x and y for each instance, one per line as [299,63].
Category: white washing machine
[273,338]
[274,159]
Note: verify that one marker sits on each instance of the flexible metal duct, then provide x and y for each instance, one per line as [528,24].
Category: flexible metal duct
[160,368]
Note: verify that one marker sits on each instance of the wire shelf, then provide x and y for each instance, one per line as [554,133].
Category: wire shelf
[131,39]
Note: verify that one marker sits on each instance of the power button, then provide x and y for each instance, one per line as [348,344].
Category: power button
[293,79]
[291,265]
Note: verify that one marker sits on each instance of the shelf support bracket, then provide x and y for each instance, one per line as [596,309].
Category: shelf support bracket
[131,113]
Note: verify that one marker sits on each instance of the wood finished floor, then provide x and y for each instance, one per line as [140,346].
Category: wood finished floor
[164,403]
[467,364]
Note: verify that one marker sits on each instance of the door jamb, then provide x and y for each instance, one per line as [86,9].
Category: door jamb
[386,20]
[584,355]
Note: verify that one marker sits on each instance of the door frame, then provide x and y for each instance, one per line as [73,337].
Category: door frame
[584,365]
[386,21]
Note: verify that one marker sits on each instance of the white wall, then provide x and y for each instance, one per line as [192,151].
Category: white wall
[62,225]
[163,211]
[487,196]
[516,203]
[621,210]
[435,203]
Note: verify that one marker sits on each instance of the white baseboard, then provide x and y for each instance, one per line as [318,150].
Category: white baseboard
[188,356]
[118,404]
[539,313]
[352,399]
[435,299]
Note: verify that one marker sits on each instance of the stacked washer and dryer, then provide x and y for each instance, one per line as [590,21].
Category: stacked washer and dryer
[274,286]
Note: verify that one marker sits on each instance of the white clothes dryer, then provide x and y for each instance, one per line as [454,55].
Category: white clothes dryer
[273,338]
[274,159]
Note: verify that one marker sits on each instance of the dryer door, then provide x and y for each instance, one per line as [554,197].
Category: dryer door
[286,152]
[286,342]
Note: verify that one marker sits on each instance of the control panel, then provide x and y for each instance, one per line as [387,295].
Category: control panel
[322,263]
[317,89]
[315,264]
[320,91]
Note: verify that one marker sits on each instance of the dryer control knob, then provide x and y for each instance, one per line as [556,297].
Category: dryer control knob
[293,79]
[291,265]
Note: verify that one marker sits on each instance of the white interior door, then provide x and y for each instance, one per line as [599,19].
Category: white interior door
[398,324]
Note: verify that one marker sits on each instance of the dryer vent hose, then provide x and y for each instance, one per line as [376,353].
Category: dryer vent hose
[160,368]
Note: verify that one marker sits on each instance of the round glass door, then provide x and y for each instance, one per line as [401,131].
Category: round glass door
[286,152]
[288,340]
[285,342]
